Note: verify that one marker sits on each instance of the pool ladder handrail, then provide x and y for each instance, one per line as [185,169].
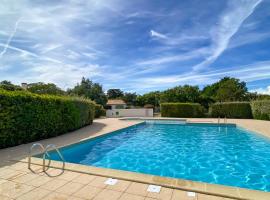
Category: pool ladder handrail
[44,152]
[57,151]
[225,120]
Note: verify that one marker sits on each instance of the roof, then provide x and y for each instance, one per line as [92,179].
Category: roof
[116,102]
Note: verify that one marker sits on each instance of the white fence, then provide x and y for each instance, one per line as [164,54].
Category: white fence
[139,112]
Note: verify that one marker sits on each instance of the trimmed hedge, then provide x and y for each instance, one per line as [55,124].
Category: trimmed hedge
[181,110]
[241,110]
[261,109]
[99,111]
[27,117]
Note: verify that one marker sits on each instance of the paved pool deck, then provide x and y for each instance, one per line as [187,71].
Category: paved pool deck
[18,182]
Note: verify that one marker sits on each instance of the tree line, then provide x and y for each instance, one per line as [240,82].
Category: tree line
[225,90]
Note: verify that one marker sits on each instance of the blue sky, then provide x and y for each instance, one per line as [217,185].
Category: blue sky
[136,45]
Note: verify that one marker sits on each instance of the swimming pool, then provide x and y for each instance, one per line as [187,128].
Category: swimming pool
[210,153]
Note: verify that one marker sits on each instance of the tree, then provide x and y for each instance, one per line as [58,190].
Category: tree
[114,93]
[7,85]
[90,90]
[152,98]
[227,89]
[184,93]
[43,88]
[130,98]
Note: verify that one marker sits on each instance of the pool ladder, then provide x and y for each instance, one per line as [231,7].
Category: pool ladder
[45,154]
[225,120]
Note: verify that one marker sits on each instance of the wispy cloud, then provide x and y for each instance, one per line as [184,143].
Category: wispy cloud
[228,25]
[155,34]
[10,37]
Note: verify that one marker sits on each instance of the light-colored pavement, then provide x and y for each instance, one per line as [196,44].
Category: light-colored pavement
[17,182]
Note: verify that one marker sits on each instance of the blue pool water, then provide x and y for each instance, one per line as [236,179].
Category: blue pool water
[208,153]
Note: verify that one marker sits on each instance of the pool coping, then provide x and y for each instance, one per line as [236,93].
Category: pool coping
[174,183]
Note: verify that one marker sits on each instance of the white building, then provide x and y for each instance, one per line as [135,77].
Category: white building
[118,108]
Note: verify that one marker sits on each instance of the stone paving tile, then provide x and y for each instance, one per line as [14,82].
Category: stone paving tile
[209,197]
[5,198]
[137,189]
[5,170]
[56,196]
[35,194]
[84,179]
[68,176]
[40,180]
[74,198]
[179,194]
[98,182]
[14,190]
[69,188]
[120,186]
[108,194]
[164,194]
[25,178]
[18,166]
[127,196]
[10,174]
[37,169]
[87,192]
[54,173]
[2,181]
[53,184]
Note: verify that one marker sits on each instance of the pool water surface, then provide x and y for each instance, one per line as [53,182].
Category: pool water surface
[225,155]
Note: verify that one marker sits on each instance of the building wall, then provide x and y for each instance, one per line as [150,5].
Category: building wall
[118,106]
[140,112]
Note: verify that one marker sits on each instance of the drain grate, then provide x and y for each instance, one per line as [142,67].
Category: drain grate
[111,181]
[154,188]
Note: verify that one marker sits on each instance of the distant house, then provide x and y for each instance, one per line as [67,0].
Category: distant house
[118,108]
[116,104]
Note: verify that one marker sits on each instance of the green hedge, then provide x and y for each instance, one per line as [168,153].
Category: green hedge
[181,110]
[240,110]
[99,111]
[27,117]
[261,109]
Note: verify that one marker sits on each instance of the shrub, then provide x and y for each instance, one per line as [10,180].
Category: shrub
[240,110]
[99,111]
[181,110]
[27,117]
[261,109]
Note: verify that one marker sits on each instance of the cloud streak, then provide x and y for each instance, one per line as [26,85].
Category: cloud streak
[228,25]
[10,37]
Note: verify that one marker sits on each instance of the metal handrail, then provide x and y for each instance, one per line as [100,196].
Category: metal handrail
[30,155]
[47,153]
[30,152]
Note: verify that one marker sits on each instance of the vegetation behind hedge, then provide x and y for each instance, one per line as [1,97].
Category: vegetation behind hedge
[181,110]
[261,109]
[231,110]
[99,111]
[27,117]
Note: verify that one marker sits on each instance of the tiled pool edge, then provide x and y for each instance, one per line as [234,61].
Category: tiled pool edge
[200,187]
